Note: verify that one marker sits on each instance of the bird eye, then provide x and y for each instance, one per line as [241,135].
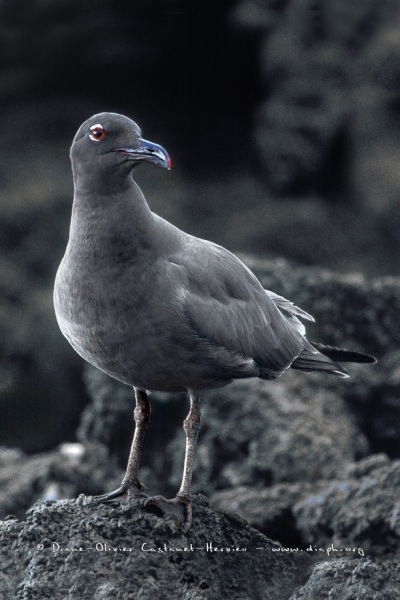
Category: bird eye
[96,133]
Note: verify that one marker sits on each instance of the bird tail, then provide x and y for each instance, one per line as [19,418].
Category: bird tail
[324,358]
[343,355]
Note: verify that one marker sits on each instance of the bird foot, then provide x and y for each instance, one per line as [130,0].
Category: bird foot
[124,492]
[179,508]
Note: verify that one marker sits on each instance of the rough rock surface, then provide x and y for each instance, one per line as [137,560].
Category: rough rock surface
[330,73]
[269,509]
[348,308]
[66,472]
[287,431]
[326,125]
[363,512]
[353,312]
[346,579]
[41,556]
[360,511]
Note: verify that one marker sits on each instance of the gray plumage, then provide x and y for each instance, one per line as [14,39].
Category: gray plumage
[152,306]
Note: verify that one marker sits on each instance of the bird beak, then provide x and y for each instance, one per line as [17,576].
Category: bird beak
[148,152]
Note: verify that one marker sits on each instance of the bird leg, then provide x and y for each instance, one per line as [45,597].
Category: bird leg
[131,485]
[180,506]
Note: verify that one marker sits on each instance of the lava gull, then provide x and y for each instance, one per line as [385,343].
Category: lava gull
[159,309]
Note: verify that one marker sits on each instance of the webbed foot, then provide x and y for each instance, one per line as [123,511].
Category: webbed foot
[179,507]
[124,492]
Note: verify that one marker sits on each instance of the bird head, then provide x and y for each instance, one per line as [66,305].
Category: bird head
[110,143]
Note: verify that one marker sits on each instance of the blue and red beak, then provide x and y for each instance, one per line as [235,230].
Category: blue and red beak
[148,152]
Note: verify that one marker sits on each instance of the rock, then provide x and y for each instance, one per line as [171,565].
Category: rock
[258,433]
[362,512]
[269,509]
[297,438]
[347,579]
[353,312]
[38,371]
[375,402]
[326,124]
[327,71]
[65,472]
[129,553]
[348,308]
[365,466]
[358,511]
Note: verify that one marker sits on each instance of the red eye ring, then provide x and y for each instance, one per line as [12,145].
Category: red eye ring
[97,132]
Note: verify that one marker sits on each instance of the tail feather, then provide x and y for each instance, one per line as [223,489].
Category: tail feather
[309,361]
[318,357]
[337,354]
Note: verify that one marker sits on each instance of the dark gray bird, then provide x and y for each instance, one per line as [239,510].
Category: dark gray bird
[159,309]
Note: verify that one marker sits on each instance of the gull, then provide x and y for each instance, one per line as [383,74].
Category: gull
[159,309]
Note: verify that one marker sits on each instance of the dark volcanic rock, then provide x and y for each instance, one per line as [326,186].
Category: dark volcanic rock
[327,69]
[355,313]
[362,512]
[348,309]
[346,579]
[375,400]
[328,123]
[253,432]
[63,473]
[40,557]
[359,511]
[259,433]
[269,509]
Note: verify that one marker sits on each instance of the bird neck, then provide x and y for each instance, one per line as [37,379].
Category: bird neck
[101,217]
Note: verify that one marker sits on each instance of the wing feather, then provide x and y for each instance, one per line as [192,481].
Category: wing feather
[291,311]
[226,304]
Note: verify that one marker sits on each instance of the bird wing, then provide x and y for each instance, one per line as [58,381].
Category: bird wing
[288,306]
[290,311]
[226,304]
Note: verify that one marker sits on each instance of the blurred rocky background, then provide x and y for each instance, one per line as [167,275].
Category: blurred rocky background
[282,119]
